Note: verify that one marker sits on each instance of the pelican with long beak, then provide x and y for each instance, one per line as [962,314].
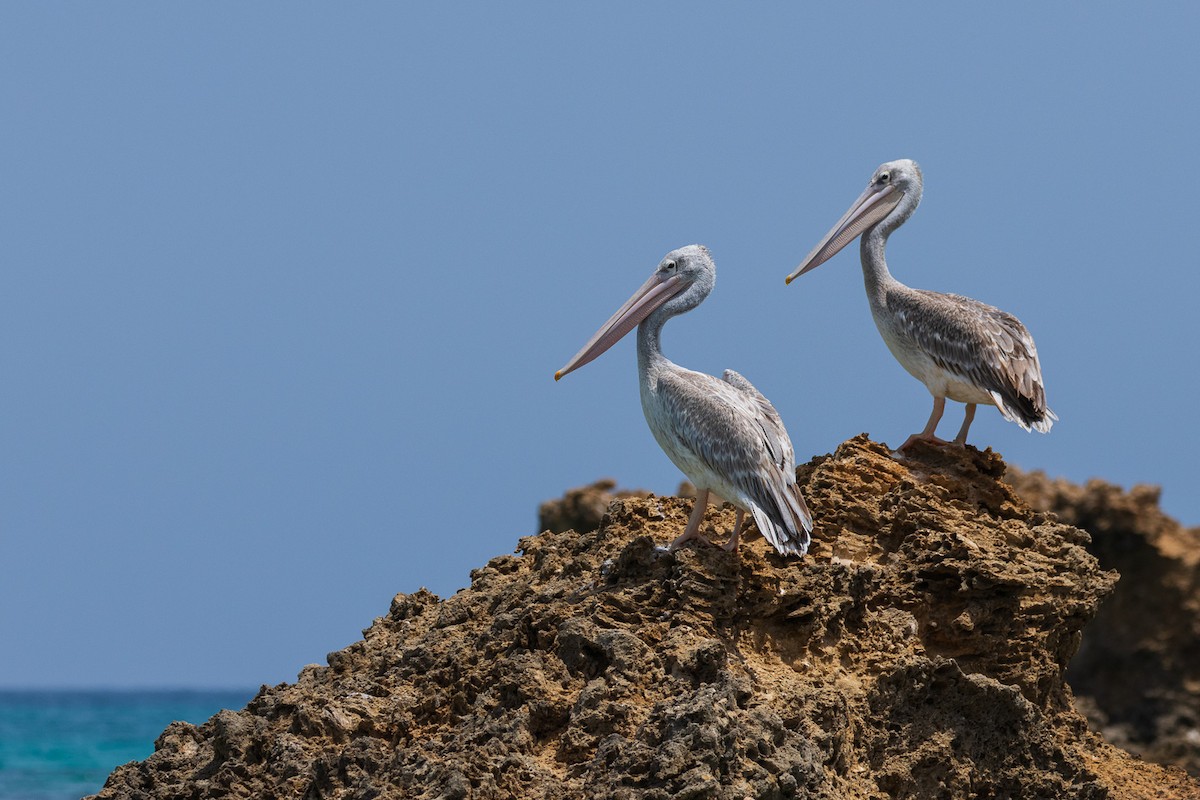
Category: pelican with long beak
[958,347]
[723,434]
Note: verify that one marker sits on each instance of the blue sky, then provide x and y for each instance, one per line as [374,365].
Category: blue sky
[284,285]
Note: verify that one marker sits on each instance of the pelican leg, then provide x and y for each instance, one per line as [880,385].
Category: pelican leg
[927,435]
[692,531]
[732,544]
[962,432]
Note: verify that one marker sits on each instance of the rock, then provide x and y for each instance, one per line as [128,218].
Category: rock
[917,652]
[582,509]
[1137,673]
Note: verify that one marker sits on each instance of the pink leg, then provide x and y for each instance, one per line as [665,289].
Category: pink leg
[692,531]
[962,432]
[732,544]
[927,435]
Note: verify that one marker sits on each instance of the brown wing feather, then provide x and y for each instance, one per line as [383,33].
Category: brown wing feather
[981,344]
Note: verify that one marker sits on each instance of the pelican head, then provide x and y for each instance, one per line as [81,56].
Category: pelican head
[680,283]
[892,195]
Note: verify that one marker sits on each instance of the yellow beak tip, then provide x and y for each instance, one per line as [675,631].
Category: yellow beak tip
[558,375]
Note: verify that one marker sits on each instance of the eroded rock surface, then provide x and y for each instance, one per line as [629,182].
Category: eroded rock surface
[582,509]
[917,652]
[1137,673]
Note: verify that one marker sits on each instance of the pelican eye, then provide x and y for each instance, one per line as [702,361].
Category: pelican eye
[669,265]
[885,177]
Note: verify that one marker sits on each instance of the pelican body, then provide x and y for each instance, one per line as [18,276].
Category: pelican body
[959,348]
[723,434]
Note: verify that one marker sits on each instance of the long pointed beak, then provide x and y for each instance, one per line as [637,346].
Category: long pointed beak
[872,205]
[653,294]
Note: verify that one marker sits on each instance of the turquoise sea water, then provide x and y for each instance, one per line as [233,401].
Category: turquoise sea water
[61,745]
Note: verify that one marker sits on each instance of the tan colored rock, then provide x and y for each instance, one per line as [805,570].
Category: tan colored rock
[1137,673]
[581,509]
[917,652]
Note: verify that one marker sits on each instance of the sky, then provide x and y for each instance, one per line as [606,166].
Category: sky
[285,285]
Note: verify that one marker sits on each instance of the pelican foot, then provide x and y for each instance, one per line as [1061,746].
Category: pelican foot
[920,437]
[732,545]
[685,538]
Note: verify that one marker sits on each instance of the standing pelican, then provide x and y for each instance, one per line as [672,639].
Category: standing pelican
[725,436]
[958,347]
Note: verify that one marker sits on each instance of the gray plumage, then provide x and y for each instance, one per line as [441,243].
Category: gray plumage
[723,434]
[959,348]
[979,344]
[727,437]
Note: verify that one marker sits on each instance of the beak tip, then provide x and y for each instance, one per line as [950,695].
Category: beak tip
[558,375]
[788,280]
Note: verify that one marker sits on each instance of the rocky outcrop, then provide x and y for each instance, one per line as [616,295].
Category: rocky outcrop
[582,509]
[917,652]
[1137,673]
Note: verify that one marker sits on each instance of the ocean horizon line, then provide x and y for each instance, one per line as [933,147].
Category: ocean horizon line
[129,689]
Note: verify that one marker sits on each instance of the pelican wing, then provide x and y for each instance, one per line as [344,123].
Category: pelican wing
[981,344]
[775,436]
[736,433]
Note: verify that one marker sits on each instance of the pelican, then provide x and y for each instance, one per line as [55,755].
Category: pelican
[958,347]
[723,434]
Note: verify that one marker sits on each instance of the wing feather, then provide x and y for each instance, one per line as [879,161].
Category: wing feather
[737,434]
[980,344]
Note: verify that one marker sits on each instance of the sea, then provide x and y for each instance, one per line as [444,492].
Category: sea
[61,745]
